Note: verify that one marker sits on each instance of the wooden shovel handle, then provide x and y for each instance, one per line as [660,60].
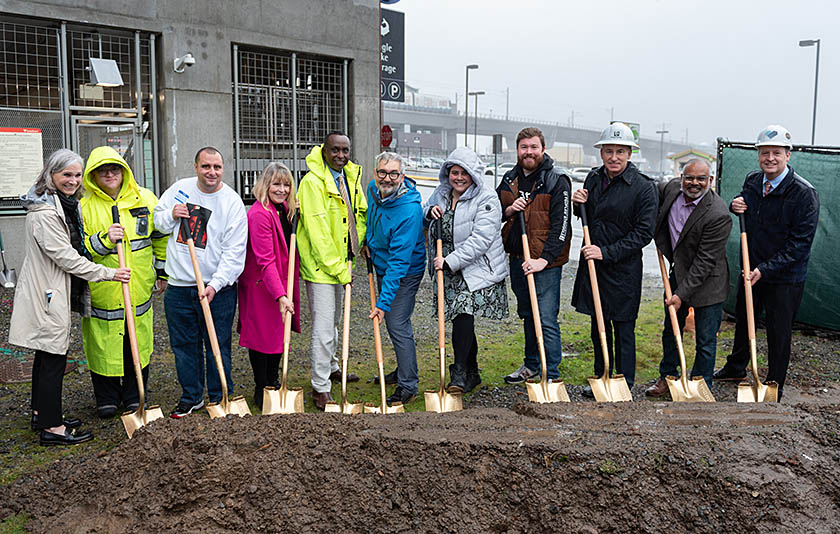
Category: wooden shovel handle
[377,336]
[440,312]
[208,315]
[287,317]
[535,307]
[128,310]
[675,325]
[596,294]
[748,296]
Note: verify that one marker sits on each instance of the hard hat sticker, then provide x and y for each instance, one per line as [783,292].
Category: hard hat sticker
[772,133]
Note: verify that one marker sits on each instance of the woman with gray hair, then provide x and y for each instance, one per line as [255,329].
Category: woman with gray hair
[473,263]
[52,282]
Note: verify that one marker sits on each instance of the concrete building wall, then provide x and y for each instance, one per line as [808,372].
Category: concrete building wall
[196,106]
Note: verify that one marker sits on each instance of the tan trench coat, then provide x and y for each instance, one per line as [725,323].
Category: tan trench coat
[41,312]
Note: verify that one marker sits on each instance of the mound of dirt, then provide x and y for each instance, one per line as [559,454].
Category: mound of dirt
[640,467]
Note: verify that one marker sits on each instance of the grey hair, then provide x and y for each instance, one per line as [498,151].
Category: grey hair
[390,156]
[57,161]
[698,161]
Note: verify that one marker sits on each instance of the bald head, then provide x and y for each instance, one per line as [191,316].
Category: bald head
[695,179]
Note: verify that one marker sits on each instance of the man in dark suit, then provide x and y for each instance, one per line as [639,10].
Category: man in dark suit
[691,231]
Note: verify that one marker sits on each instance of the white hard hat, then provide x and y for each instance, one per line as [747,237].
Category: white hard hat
[617,133]
[774,135]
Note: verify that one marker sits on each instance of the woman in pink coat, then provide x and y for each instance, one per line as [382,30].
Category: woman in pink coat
[263,296]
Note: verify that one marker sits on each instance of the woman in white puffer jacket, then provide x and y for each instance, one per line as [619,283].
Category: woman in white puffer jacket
[473,262]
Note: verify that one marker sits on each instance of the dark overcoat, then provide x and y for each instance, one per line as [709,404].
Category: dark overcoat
[621,222]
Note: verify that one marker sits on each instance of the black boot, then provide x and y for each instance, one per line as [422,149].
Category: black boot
[472,380]
[457,378]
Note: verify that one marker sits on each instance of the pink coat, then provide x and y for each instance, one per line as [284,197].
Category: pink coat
[263,281]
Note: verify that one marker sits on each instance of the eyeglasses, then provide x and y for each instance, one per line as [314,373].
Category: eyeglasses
[698,179]
[393,175]
[105,170]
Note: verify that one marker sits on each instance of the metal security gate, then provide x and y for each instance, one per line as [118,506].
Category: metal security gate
[45,84]
[284,104]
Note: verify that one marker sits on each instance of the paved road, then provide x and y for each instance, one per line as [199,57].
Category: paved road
[651,264]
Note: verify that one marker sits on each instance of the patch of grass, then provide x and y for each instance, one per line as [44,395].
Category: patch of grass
[14,524]
[609,467]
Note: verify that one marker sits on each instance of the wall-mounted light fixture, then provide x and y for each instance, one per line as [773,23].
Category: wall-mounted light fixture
[187,60]
[104,72]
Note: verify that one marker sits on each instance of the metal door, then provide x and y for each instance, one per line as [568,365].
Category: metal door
[120,134]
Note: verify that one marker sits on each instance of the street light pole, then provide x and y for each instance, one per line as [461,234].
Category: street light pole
[467,103]
[806,43]
[661,133]
[476,94]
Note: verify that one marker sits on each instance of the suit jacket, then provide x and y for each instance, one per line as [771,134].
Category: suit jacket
[698,261]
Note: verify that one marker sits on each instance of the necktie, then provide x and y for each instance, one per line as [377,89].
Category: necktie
[351,220]
[767,187]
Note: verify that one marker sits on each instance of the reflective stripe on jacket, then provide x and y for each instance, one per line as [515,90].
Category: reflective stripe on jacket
[145,253]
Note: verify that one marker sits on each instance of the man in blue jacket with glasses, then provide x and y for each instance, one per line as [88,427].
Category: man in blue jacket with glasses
[396,246]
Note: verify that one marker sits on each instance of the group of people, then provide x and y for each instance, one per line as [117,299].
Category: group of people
[244,257]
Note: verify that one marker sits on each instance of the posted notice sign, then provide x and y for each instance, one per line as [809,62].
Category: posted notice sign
[21,159]
[392,56]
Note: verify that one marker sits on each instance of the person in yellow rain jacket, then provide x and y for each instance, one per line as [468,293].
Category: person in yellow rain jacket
[327,238]
[108,180]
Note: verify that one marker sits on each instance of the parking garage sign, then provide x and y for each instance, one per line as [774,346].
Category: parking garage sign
[392,56]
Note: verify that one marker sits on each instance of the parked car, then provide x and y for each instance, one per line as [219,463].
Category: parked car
[503,168]
[437,162]
[579,174]
[425,163]
[559,169]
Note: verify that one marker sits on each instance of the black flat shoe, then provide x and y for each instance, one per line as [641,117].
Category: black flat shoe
[70,437]
[106,412]
[69,422]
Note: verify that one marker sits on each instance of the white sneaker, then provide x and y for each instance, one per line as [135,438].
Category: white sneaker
[520,375]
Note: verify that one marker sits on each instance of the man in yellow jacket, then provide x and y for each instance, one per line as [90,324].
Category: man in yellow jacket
[333,209]
[108,181]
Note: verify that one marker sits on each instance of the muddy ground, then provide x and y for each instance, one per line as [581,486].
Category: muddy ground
[501,465]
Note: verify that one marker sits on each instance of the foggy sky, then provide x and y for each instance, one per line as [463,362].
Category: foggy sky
[717,68]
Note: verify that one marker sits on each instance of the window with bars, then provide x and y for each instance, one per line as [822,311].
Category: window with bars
[265,109]
[30,77]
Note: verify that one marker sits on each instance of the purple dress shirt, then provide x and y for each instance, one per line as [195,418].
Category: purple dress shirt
[681,210]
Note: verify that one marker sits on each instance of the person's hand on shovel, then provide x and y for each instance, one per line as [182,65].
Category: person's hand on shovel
[209,293]
[518,205]
[123,274]
[377,313]
[116,232]
[674,301]
[534,265]
[286,305]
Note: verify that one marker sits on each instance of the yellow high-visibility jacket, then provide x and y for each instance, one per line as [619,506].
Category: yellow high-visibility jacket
[145,253]
[323,229]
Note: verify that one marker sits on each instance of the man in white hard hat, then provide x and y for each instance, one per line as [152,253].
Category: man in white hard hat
[621,205]
[781,211]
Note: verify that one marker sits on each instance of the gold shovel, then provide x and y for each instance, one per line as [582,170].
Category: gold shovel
[440,400]
[757,392]
[397,407]
[344,406]
[142,416]
[237,405]
[604,388]
[285,399]
[542,391]
[681,389]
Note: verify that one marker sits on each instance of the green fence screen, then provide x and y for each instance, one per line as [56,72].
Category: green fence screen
[821,167]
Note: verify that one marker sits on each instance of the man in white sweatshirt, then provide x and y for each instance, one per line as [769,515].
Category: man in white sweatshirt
[219,227]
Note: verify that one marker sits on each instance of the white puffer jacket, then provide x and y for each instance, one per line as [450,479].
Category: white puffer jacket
[478,253]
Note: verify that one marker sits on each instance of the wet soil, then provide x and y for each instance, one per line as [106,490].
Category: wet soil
[640,467]
[501,465]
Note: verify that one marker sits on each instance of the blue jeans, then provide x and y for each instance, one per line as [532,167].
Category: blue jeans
[398,321]
[191,345]
[547,284]
[706,324]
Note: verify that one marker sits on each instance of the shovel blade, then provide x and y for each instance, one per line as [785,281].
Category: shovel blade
[350,408]
[698,390]
[610,389]
[441,401]
[236,406]
[551,392]
[397,407]
[134,420]
[767,392]
[276,401]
